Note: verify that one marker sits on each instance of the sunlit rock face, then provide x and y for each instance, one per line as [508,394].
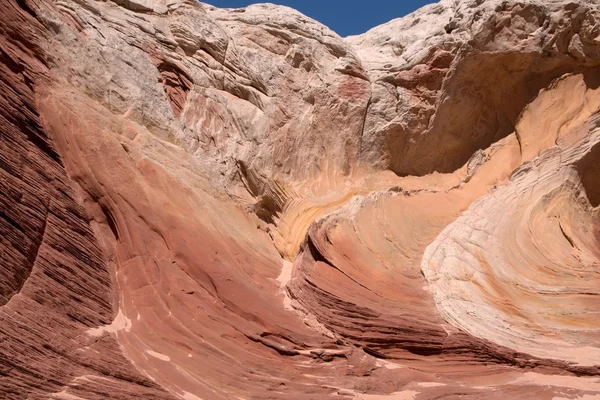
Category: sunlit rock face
[204,203]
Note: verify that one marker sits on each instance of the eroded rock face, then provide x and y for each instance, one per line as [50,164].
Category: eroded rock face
[455,76]
[204,203]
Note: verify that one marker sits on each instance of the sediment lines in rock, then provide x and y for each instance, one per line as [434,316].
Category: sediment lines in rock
[200,203]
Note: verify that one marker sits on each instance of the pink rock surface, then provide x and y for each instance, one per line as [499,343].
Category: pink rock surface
[203,203]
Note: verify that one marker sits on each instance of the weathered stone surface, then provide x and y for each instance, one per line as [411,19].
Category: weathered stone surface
[55,283]
[203,203]
[454,76]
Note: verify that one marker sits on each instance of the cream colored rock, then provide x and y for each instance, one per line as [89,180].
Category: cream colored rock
[205,203]
[239,89]
[532,243]
[453,77]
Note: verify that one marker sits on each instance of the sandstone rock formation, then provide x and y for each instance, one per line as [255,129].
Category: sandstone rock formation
[204,203]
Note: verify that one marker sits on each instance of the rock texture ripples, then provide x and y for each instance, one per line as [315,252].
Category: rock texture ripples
[200,203]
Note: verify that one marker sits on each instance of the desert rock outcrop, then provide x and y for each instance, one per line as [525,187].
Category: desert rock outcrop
[204,203]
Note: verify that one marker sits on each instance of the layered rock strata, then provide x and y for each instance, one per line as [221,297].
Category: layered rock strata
[204,203]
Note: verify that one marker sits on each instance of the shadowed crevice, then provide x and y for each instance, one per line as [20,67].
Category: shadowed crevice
[176,84]
[589,172]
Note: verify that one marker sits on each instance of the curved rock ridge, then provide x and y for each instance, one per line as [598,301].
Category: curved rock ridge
[455,76]
[202,203]
[532,243]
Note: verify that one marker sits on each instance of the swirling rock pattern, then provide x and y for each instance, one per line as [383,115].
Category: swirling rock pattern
[203,203]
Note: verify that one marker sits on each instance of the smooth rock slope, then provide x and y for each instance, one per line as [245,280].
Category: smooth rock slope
[204,203]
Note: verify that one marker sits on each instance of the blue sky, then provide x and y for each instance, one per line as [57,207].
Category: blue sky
[346,17]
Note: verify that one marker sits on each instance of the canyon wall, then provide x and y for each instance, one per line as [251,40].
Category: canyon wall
[205,203]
